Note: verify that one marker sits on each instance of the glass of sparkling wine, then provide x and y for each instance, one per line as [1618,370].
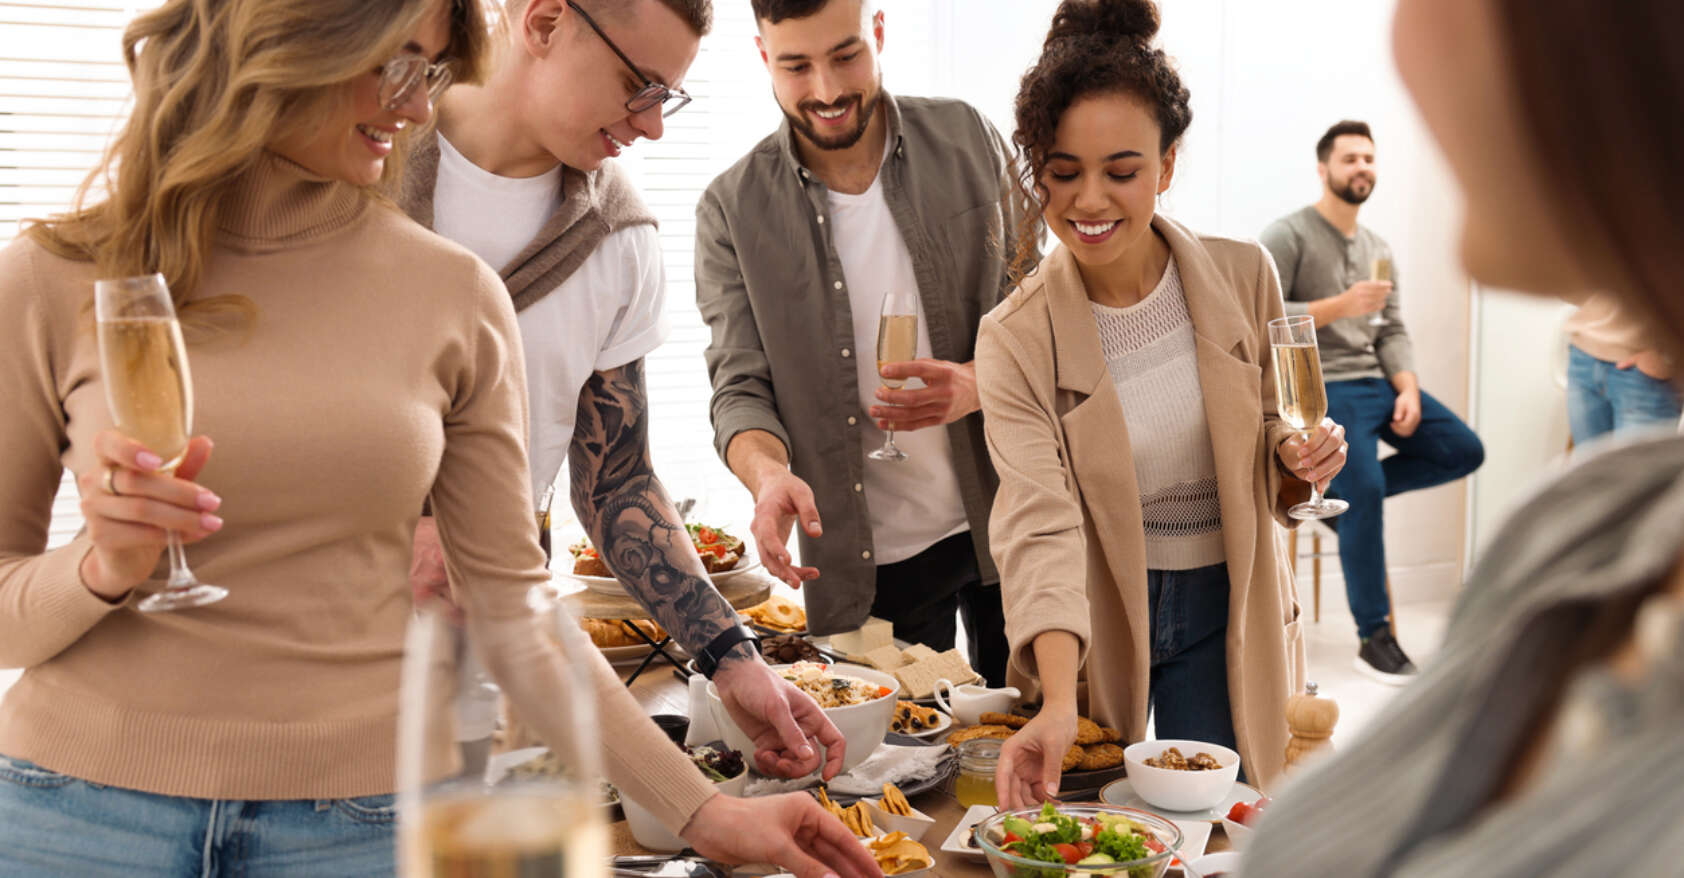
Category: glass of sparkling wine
[1301,396]
[1380,270]
[149,389]
[531,813]
[897,342]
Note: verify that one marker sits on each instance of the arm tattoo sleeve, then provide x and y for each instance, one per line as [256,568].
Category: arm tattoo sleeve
[629,517]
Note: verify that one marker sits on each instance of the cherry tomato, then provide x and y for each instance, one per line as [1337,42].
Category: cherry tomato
[1012,837]
[1242,813]
[1069,852]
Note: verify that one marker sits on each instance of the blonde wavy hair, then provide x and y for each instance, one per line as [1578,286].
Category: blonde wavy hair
[215,81]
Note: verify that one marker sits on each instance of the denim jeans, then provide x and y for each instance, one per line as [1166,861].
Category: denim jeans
[52,826]
[1442,449]
[1189,683]
[1602,399]
[921,594]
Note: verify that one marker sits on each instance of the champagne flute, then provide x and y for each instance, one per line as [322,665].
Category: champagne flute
[149,390]
[533,813]
[1301,396]
[897,342]
[1379,270]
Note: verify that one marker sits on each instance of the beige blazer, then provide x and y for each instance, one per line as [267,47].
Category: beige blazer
[1066,525]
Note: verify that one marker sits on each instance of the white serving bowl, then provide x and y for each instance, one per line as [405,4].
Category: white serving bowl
[1175,790]
[649,832]
[1238,833]
[862,725]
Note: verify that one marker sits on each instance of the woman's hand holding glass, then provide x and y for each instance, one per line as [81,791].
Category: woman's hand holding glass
[1315,458]
[130,507]
[1032,759]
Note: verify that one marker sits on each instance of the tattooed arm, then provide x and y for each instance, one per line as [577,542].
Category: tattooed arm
[641,538]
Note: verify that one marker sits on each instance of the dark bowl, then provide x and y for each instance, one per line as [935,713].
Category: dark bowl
[675,725]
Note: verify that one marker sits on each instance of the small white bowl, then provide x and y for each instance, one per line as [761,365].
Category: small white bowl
[1181,790]
[915,825]
[1238,833]
[648,831]
[862,725]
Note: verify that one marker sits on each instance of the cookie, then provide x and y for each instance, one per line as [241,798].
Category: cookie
[971,733]
[1101,756]
[1004,719]
[1088,732]
[1072,758]
[1112,736]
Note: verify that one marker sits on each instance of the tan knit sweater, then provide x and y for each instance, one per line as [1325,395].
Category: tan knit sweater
[384,368]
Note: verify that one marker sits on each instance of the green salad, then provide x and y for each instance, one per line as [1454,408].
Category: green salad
[1096,841]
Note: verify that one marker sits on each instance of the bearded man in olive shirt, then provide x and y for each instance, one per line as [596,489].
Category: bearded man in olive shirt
[857,194]
[1326,262]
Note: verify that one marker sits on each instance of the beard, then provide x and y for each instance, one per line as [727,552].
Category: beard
[864,108]
[1348,194]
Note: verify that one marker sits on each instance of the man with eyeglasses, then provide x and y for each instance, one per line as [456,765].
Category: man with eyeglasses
[519,173]
[857,194]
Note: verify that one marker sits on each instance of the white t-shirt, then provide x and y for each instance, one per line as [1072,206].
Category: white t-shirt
[608,313]
[914,503]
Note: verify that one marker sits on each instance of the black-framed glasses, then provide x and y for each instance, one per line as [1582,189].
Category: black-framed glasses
[652,94]
[400,76]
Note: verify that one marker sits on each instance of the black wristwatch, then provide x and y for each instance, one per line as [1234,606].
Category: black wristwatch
[707,661]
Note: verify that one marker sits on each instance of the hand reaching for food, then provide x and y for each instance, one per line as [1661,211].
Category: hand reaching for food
[787,727]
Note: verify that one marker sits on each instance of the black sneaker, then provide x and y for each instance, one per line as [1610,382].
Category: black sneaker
[1380,658]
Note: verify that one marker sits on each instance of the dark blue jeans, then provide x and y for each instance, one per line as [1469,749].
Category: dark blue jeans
[1189,685]
[1442,449]
[1602,399]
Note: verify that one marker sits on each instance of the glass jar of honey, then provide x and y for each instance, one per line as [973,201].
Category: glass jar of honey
[974,784]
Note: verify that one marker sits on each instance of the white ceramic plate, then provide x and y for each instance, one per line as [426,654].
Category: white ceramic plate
[1119,792]
[943,723]
[1195,834]
[955,843]
[610,587]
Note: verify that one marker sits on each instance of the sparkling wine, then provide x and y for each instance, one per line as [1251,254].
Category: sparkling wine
[1380,270]
[147,384]
[1299,390]
[897,342]
[531,834]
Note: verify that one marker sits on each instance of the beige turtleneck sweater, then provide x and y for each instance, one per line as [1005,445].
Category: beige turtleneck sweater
[383,368]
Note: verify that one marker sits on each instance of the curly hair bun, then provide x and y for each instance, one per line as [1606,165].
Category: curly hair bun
[1115,20]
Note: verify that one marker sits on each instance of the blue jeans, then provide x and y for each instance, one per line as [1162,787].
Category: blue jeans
[52,826]
[1189,684]
[1602,399]
[1442,449]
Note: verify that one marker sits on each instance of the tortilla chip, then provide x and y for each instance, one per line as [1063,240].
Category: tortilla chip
[896,853]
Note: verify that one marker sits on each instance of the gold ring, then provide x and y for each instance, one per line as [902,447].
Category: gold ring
[111,482]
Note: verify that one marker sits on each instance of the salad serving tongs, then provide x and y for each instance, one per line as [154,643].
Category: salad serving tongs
[667,867]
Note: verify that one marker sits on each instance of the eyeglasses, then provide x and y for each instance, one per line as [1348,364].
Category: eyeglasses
[400,76]
[652,94]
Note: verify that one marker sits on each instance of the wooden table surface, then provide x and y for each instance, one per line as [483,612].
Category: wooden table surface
[663,693]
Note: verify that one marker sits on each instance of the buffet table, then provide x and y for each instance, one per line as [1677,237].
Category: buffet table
[663,693]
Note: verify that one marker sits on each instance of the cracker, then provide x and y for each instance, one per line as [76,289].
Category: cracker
[884,658]
[917,652]
[919,678]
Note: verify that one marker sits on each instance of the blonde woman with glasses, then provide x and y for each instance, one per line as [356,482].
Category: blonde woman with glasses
[349,365]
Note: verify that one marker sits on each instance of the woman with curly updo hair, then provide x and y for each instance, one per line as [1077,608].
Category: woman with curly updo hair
[350,366]
[1129,399]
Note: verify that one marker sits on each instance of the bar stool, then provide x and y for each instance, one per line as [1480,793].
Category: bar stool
[1318,529]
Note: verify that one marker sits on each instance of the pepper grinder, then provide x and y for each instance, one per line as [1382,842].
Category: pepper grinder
[1310,720]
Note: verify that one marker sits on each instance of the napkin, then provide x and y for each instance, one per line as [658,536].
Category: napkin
[889,763]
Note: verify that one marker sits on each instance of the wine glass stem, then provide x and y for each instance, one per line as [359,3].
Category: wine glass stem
[889,441]
[1315,487]
[180,576]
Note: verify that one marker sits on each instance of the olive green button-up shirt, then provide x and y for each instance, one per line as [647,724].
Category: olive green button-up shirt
[769,283]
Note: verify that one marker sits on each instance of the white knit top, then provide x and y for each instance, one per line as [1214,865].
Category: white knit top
[1149,348]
